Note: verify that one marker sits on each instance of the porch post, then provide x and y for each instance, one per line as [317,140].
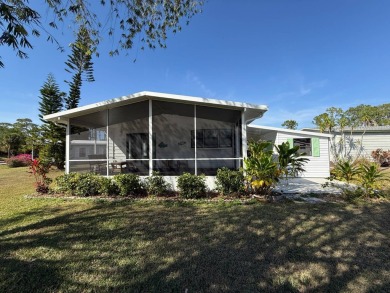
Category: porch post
[196,161]
[243,135]
[67,147]
[150,137]
[108,144]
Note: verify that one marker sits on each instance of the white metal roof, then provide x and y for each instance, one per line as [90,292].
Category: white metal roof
[383,128]
[298,132]
[252,111]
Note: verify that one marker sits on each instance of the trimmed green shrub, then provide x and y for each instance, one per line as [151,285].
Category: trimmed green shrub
[230,181]
[156,184]
[108,186]
[129,184]
[66,183]
[191,186]
[79,184]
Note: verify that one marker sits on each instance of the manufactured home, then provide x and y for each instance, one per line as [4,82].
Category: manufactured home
[172,134]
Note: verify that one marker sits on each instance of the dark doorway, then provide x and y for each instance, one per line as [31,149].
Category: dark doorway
[137,146]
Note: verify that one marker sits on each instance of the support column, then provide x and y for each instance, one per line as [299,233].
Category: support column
[150,137]
[67,147]
[243,134]
[195,149]
[108,144]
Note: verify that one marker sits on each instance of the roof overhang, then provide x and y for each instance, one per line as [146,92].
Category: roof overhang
[369,129]
[252,111]
[291,131]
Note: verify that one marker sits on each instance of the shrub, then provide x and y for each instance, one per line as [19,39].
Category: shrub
[66,183]
[191,186]
[229,181]
[40,171]
[381,157]
[156,185]
[129,184]
[108,186]
[88,184]
[22,160]
[262,172]
[290,160]
[369,176]
[345,171]
[79,184]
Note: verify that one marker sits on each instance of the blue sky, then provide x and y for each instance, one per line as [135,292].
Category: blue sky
[298,57]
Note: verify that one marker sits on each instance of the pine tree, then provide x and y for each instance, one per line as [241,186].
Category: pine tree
[54,135]
[79,63]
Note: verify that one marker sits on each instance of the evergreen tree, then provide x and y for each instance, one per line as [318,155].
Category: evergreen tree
[79,63]
[54,135]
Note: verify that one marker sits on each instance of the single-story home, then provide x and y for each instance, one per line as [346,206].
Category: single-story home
[358,141]
[172,134]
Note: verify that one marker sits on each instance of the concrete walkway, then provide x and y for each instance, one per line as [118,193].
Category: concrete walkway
[305,186]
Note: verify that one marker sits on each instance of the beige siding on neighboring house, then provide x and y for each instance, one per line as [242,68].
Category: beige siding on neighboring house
[316,166]
[370,142]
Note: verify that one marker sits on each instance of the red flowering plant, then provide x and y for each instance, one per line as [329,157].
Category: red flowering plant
[40,169]
[21,160]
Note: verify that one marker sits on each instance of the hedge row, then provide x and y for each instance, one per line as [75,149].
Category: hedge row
[190,186]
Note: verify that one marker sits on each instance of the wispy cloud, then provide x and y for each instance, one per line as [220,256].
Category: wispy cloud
[300,89]
[276,116]
[193,78]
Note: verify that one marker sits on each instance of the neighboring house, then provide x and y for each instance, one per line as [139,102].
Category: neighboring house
[149,131]
[315,145]
[359,141]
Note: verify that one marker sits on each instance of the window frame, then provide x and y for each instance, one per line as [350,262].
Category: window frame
[201,137]
[308,150]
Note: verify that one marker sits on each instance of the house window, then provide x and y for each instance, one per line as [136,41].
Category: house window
[304,145]
[212,138]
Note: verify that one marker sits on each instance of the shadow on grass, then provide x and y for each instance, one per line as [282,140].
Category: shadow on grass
[164,247]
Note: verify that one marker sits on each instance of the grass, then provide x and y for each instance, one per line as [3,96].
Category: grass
[386,182]
[58,245]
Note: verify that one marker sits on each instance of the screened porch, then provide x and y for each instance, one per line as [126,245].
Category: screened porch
[155,135]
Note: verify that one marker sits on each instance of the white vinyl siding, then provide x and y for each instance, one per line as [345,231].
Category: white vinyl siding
[316,167]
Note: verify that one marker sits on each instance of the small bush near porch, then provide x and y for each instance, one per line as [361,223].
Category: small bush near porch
[86,245]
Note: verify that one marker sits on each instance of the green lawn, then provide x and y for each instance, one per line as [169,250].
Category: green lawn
[57,245]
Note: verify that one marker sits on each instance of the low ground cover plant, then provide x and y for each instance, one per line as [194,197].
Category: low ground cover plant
[22,160]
